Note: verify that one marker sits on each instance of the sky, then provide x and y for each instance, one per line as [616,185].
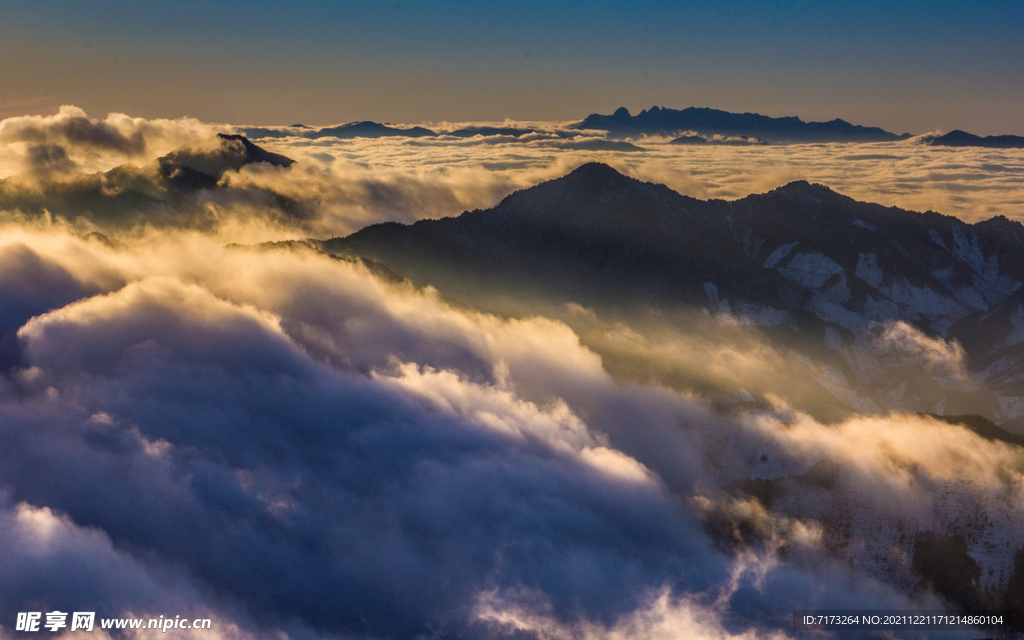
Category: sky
[915,67]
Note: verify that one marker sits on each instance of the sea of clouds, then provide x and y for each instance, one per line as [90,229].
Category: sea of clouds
[295,447]
[339,186]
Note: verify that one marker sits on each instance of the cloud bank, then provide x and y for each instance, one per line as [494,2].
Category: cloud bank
[90,143]
[189,428]
[341,185]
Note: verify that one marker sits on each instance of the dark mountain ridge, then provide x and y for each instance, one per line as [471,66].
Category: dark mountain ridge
[800,261]
[359,129]
[367,129]
[469,132]
[636,233]
[958,138]
[659,121]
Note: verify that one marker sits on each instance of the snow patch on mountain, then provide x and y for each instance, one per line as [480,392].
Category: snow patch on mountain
[937,238]
[945,276]
[868,269]
[969,297]
[921,301]
[968,251]
[992,286]
[997,368]
[837,314]
[810,269]
[778,255]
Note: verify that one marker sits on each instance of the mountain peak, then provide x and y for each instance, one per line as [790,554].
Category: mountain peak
[1001,227]
[592,191]
[250,152]
[598,179]
[959,138]
[595,171]
[202,163]
[804,190]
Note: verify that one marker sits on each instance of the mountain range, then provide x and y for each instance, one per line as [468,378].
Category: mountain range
[816,271]
[659,121]
[654,121]
[693,125]
[958,138]
[369,129]
[360,129]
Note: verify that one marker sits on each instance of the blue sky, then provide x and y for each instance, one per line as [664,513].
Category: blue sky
[918,66]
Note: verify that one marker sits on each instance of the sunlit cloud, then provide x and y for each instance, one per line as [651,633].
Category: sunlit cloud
[93,144]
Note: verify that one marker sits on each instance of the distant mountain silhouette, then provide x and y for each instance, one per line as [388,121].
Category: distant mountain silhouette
[958,138]
[657,120]
[732,142]
[690,140]
[469,132]
[801,261]
[362,129]
[596,144]
[367,129]
[653,121]
[295,130]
